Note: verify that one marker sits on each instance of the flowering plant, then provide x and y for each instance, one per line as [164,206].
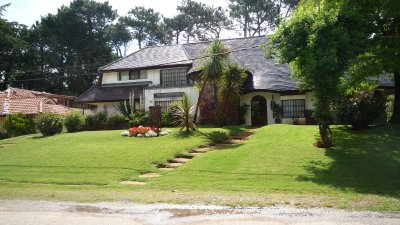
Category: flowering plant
[142,131]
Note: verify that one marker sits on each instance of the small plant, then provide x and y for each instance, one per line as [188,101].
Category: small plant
[19,124]
[166,119]
[277,112]
[182,114]
[49,123]
[127,107]
[140,119]
[74,121]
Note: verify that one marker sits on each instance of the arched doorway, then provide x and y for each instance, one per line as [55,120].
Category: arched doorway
[259,111]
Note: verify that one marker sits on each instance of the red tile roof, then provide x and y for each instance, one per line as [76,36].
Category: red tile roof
[30,102]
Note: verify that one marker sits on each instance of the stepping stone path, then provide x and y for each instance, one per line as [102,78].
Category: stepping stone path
[174,165]
[147,175]
[238,138]
[132,182]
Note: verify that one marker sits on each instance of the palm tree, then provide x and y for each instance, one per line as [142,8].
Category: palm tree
[182,114]
[216,58]
[230,87]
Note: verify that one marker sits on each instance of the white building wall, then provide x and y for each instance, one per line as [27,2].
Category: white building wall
[107,107]
[246,99]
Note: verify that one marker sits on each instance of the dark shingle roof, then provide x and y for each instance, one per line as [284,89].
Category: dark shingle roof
[156,56]
[266,74]
[99,94]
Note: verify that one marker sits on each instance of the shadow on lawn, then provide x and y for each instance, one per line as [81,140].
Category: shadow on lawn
[365,161]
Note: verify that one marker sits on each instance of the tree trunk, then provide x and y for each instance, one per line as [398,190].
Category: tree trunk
[324,122]
[177,37]
[396,103]
[198,101]
[325,134]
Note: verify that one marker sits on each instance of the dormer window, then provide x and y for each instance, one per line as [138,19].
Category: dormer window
[132,75]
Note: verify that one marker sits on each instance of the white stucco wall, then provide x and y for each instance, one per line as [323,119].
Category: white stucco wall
[246,99]
[104,106]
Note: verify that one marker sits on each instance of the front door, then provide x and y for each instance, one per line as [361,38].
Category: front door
[259,111]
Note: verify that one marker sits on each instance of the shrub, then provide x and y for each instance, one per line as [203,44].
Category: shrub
[140,119]
[166,119]
[3,135]
[96,121]
[359,112]
[49,123]
[117,120]
[74,121]
[19,124]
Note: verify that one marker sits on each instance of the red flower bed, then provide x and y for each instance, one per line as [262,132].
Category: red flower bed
[134,131]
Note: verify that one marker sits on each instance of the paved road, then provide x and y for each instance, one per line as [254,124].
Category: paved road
[16,212]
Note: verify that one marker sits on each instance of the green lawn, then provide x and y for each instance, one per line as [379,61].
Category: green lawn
[96,158]
[278,165]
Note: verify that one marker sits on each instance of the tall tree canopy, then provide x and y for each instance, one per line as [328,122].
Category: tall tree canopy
[382,56]
[14,54]
[75,43]
[145,26]
[202,22]
[257,17]
[119,37]
[319,42]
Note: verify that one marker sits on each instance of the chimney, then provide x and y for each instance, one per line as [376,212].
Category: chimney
[7,102]
[40,106]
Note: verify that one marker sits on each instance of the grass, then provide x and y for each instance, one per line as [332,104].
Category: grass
[278,165]
[95,158]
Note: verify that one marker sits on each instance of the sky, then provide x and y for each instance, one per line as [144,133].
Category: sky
[29,11]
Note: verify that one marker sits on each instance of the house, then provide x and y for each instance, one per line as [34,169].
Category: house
[16,100]
[162,74]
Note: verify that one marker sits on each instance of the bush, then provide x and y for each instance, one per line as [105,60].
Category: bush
[74,121]
[19,124]
[359,112]
[166,119]
[139,119]
[3,135]
[96,121]
[117,121]
[49,123]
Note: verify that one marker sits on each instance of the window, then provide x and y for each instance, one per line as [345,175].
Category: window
[164,105]
[132,75]
[173,77]
[165,100]
[123,75]
[293,108]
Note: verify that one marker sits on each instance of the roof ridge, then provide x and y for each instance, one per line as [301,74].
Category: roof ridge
[117,60]
[226,39]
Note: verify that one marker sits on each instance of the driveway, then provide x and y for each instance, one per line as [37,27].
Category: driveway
[13,212]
